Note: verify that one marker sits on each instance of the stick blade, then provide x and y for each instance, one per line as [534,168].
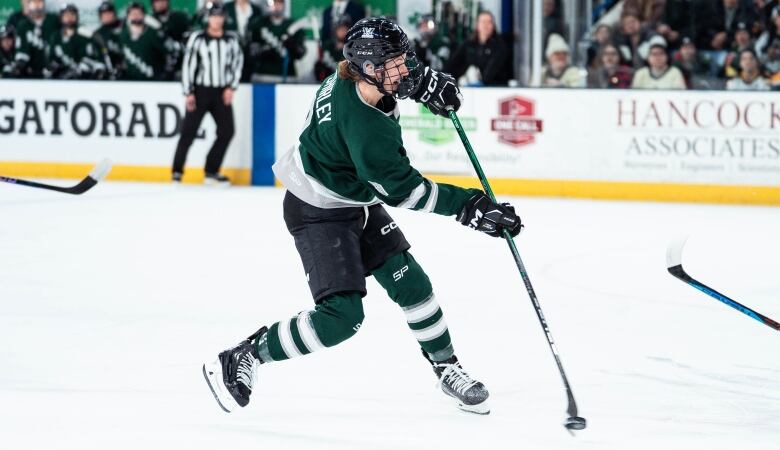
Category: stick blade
[100,170]
[674,251]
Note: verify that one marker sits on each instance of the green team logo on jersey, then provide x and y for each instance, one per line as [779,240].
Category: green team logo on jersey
[435,130]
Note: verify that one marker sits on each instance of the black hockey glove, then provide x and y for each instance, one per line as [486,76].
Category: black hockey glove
[438,92]
[483,214]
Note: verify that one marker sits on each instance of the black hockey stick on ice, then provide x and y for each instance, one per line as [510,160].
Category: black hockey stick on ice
[98,173]
[674,266]
[573,422]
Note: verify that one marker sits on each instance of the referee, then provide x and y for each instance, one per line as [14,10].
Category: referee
[210,75]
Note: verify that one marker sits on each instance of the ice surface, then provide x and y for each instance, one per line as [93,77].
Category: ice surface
[110,302]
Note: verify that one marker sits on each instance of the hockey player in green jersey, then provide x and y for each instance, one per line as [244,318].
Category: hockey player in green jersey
[33,33]
[8,68]
[275,45]
[142,47]
[107,37]
[332,52]
[173,24]
[71,53]
[350,159]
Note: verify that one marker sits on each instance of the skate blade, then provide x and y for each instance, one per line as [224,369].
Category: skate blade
[481,408]
[215,183]
[213,375]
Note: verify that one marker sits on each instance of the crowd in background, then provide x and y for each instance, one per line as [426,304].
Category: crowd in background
[142,44]
[650,44]
[682,44]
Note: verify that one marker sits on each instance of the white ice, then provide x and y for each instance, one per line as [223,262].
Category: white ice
[111,301]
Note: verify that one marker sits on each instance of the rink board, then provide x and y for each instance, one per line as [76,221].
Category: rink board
[634,145]
[670,146]
[60,129]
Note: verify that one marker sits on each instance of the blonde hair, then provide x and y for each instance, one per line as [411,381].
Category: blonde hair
[346,73]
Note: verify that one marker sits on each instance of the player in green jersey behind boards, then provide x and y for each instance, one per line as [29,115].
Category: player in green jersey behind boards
[107,38]
[71,53]
[349,160]
[32,34]
[143,47]
[275,43]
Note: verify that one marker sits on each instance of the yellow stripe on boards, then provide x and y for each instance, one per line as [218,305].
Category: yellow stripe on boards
[14,169]
[613,190]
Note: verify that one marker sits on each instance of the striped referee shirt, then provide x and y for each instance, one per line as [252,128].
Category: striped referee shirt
[212,62]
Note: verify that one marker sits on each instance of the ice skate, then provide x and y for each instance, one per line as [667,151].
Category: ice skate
[469,394]
[232,375]
[216,179]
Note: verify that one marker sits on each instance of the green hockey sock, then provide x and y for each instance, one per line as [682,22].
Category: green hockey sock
[408,285]
[334,320]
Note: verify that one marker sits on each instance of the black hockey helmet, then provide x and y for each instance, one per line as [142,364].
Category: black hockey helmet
[214,9]
[69,7]
[106,7]
[136,5]
[7,31]
[373,41]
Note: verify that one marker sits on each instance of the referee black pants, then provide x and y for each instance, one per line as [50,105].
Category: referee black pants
[207,99]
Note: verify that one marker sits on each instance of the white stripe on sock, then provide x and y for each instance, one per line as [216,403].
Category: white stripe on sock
[432,332]
[422,311]
[286,339]
[308,334]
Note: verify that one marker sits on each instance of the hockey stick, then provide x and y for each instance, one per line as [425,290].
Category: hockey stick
[674,266]
[573,422]
[98,173]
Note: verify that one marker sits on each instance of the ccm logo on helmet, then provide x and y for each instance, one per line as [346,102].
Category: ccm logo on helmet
[388,228]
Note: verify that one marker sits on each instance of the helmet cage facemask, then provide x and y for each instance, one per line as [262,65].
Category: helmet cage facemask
[406,86]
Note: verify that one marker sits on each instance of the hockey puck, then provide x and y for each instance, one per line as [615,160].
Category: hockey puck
[575,423]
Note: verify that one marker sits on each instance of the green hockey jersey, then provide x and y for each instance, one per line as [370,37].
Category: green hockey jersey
[31,40]
[174,25]
[351,153]
[72,57]
[144,57]
[275,46]
[107,38]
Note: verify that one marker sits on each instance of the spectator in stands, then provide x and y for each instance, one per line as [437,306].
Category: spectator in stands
[71,53]
[649,12]
[17,16]
[559,72]
[772,64]
[765,10]
[692,64]
[742,41]
[239,14]
[719,24]
[677,21]
[338,9]
[332,51]
[431,47]
[32,34]
[8,68]
[601,37]
[552,19]
[629,38]
[769,36]
[275,46]
[107,37]
[608,72]
[142,46]
[482,59]
[658,74]
[750,78]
